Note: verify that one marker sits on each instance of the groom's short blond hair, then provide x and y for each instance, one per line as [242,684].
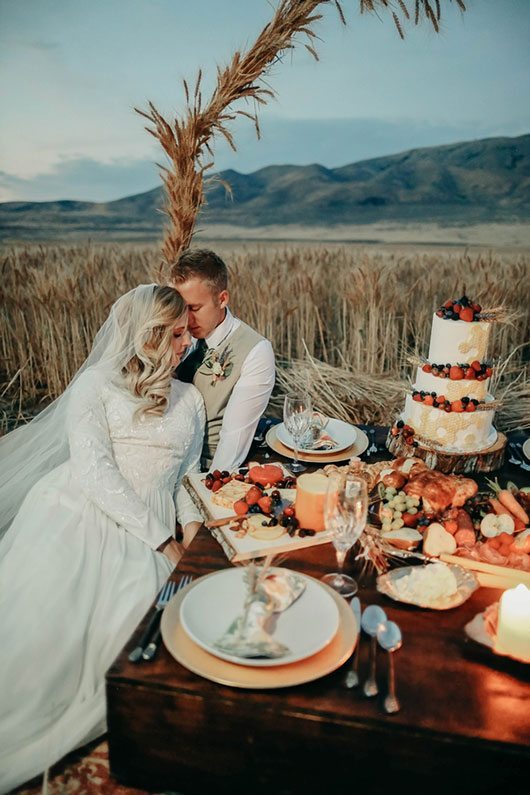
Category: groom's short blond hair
[200,263]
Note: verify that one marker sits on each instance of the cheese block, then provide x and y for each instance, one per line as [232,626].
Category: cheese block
[436,540]
[229,493]
[311,490]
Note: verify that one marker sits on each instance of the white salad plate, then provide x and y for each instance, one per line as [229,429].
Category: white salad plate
[305,627]
[341,432]
[526,448]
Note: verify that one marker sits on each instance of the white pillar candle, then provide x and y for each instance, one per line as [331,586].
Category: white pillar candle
[513,626]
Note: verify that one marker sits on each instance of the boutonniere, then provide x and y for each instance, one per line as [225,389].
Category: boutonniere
[219,363]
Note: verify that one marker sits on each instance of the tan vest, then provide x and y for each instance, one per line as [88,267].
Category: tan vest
[216,387]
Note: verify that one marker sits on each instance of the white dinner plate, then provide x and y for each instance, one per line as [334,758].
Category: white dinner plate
[305,627]
[526,448]
[342,432]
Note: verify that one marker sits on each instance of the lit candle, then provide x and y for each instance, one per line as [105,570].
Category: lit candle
[513,626]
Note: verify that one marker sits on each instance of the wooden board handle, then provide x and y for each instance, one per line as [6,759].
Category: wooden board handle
[227,520]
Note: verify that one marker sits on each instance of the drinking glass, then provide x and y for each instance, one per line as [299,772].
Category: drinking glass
[297,414]
[345,514]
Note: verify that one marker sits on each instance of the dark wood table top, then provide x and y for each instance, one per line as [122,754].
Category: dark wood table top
[464,722]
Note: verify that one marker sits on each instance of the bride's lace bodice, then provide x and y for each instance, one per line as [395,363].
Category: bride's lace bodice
[118,459]
[150,451]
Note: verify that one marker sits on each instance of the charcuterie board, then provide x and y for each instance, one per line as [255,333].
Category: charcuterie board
[239,546]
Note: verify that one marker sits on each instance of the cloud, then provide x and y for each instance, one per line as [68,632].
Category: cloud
[83,179]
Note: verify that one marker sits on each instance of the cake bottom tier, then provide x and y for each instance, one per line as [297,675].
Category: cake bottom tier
[458,432]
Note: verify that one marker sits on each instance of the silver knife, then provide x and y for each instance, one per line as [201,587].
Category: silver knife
[352,677]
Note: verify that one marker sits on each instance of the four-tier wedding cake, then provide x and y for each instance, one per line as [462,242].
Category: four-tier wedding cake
[449,407]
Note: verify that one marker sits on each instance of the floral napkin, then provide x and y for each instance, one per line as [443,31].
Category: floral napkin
[268,592]
[324,442]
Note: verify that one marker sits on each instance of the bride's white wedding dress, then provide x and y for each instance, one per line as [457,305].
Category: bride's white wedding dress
[79,566]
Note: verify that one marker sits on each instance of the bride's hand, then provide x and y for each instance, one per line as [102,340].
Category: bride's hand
[172,550]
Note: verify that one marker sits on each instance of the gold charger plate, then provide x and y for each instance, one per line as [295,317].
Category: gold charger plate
[200,662]
[357,448]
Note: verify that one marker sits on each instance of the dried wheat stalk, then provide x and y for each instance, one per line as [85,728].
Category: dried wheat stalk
[187,141]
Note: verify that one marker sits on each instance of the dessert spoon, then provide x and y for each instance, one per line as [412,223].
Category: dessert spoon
[389,637]
[372,617]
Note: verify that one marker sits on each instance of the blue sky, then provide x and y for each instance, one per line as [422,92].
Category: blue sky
[72,71]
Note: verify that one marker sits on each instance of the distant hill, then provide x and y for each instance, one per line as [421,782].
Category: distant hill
[467,183]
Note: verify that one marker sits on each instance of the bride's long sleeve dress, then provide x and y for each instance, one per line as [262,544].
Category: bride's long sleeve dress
[79,566]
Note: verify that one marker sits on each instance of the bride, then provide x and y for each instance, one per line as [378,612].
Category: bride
[87,508]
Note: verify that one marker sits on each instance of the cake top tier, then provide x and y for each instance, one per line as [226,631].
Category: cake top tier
[460,309]
[458,343]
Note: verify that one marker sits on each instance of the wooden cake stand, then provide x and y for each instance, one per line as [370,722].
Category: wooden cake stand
[486,460]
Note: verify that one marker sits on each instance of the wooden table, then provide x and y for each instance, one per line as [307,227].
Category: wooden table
[464,726]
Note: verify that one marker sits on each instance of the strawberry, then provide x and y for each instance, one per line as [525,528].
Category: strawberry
[417,397]
[440,313]
[241,507]
[476,307]
[456,373]
[440,399]
[427,368]
[476,365]
[470,374]
[288,510]
[457,406]
[457,308]
[489,372]
[470,406]
[428,400]
[467,314]
[410,519]
[448,304]
[265,503]
[253,495]
[216,485]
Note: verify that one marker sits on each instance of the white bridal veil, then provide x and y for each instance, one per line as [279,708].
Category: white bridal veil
[33,450]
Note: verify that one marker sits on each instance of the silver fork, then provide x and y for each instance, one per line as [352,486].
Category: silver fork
[151,649]
[164,596]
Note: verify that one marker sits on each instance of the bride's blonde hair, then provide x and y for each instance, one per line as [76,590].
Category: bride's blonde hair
[147,374]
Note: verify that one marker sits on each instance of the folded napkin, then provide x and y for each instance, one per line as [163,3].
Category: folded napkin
[267,593]
[324,442]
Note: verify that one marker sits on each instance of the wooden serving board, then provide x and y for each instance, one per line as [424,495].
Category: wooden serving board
[489,575]
[245,548]
[487,460]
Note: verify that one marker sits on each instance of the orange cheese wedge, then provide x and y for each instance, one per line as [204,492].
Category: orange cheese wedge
[309,502]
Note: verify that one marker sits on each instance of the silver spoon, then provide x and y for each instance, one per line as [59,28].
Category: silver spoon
[389,637]
[352,677]
[372,617]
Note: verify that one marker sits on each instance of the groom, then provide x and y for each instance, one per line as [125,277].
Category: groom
[229,362]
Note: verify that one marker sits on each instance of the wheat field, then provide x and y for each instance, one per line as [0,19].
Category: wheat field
[343,320]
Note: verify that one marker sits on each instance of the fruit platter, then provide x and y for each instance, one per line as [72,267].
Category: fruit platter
[251,512]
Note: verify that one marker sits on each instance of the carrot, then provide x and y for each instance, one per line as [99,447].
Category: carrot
[508,500]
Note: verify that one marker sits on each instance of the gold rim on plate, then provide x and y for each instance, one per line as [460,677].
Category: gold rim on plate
[200,662]
[357,448]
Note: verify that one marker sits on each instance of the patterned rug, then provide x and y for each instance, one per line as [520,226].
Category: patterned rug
[83,772]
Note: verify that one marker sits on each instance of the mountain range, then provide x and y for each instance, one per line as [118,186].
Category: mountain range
[475,182]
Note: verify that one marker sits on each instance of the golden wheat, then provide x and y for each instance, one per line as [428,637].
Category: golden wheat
[342,320]
[187,141]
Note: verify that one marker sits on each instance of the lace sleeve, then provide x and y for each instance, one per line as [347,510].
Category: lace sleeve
[187,511]
[95,470]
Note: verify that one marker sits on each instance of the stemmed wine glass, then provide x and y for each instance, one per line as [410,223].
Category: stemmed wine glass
[297,415]
[345,514]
